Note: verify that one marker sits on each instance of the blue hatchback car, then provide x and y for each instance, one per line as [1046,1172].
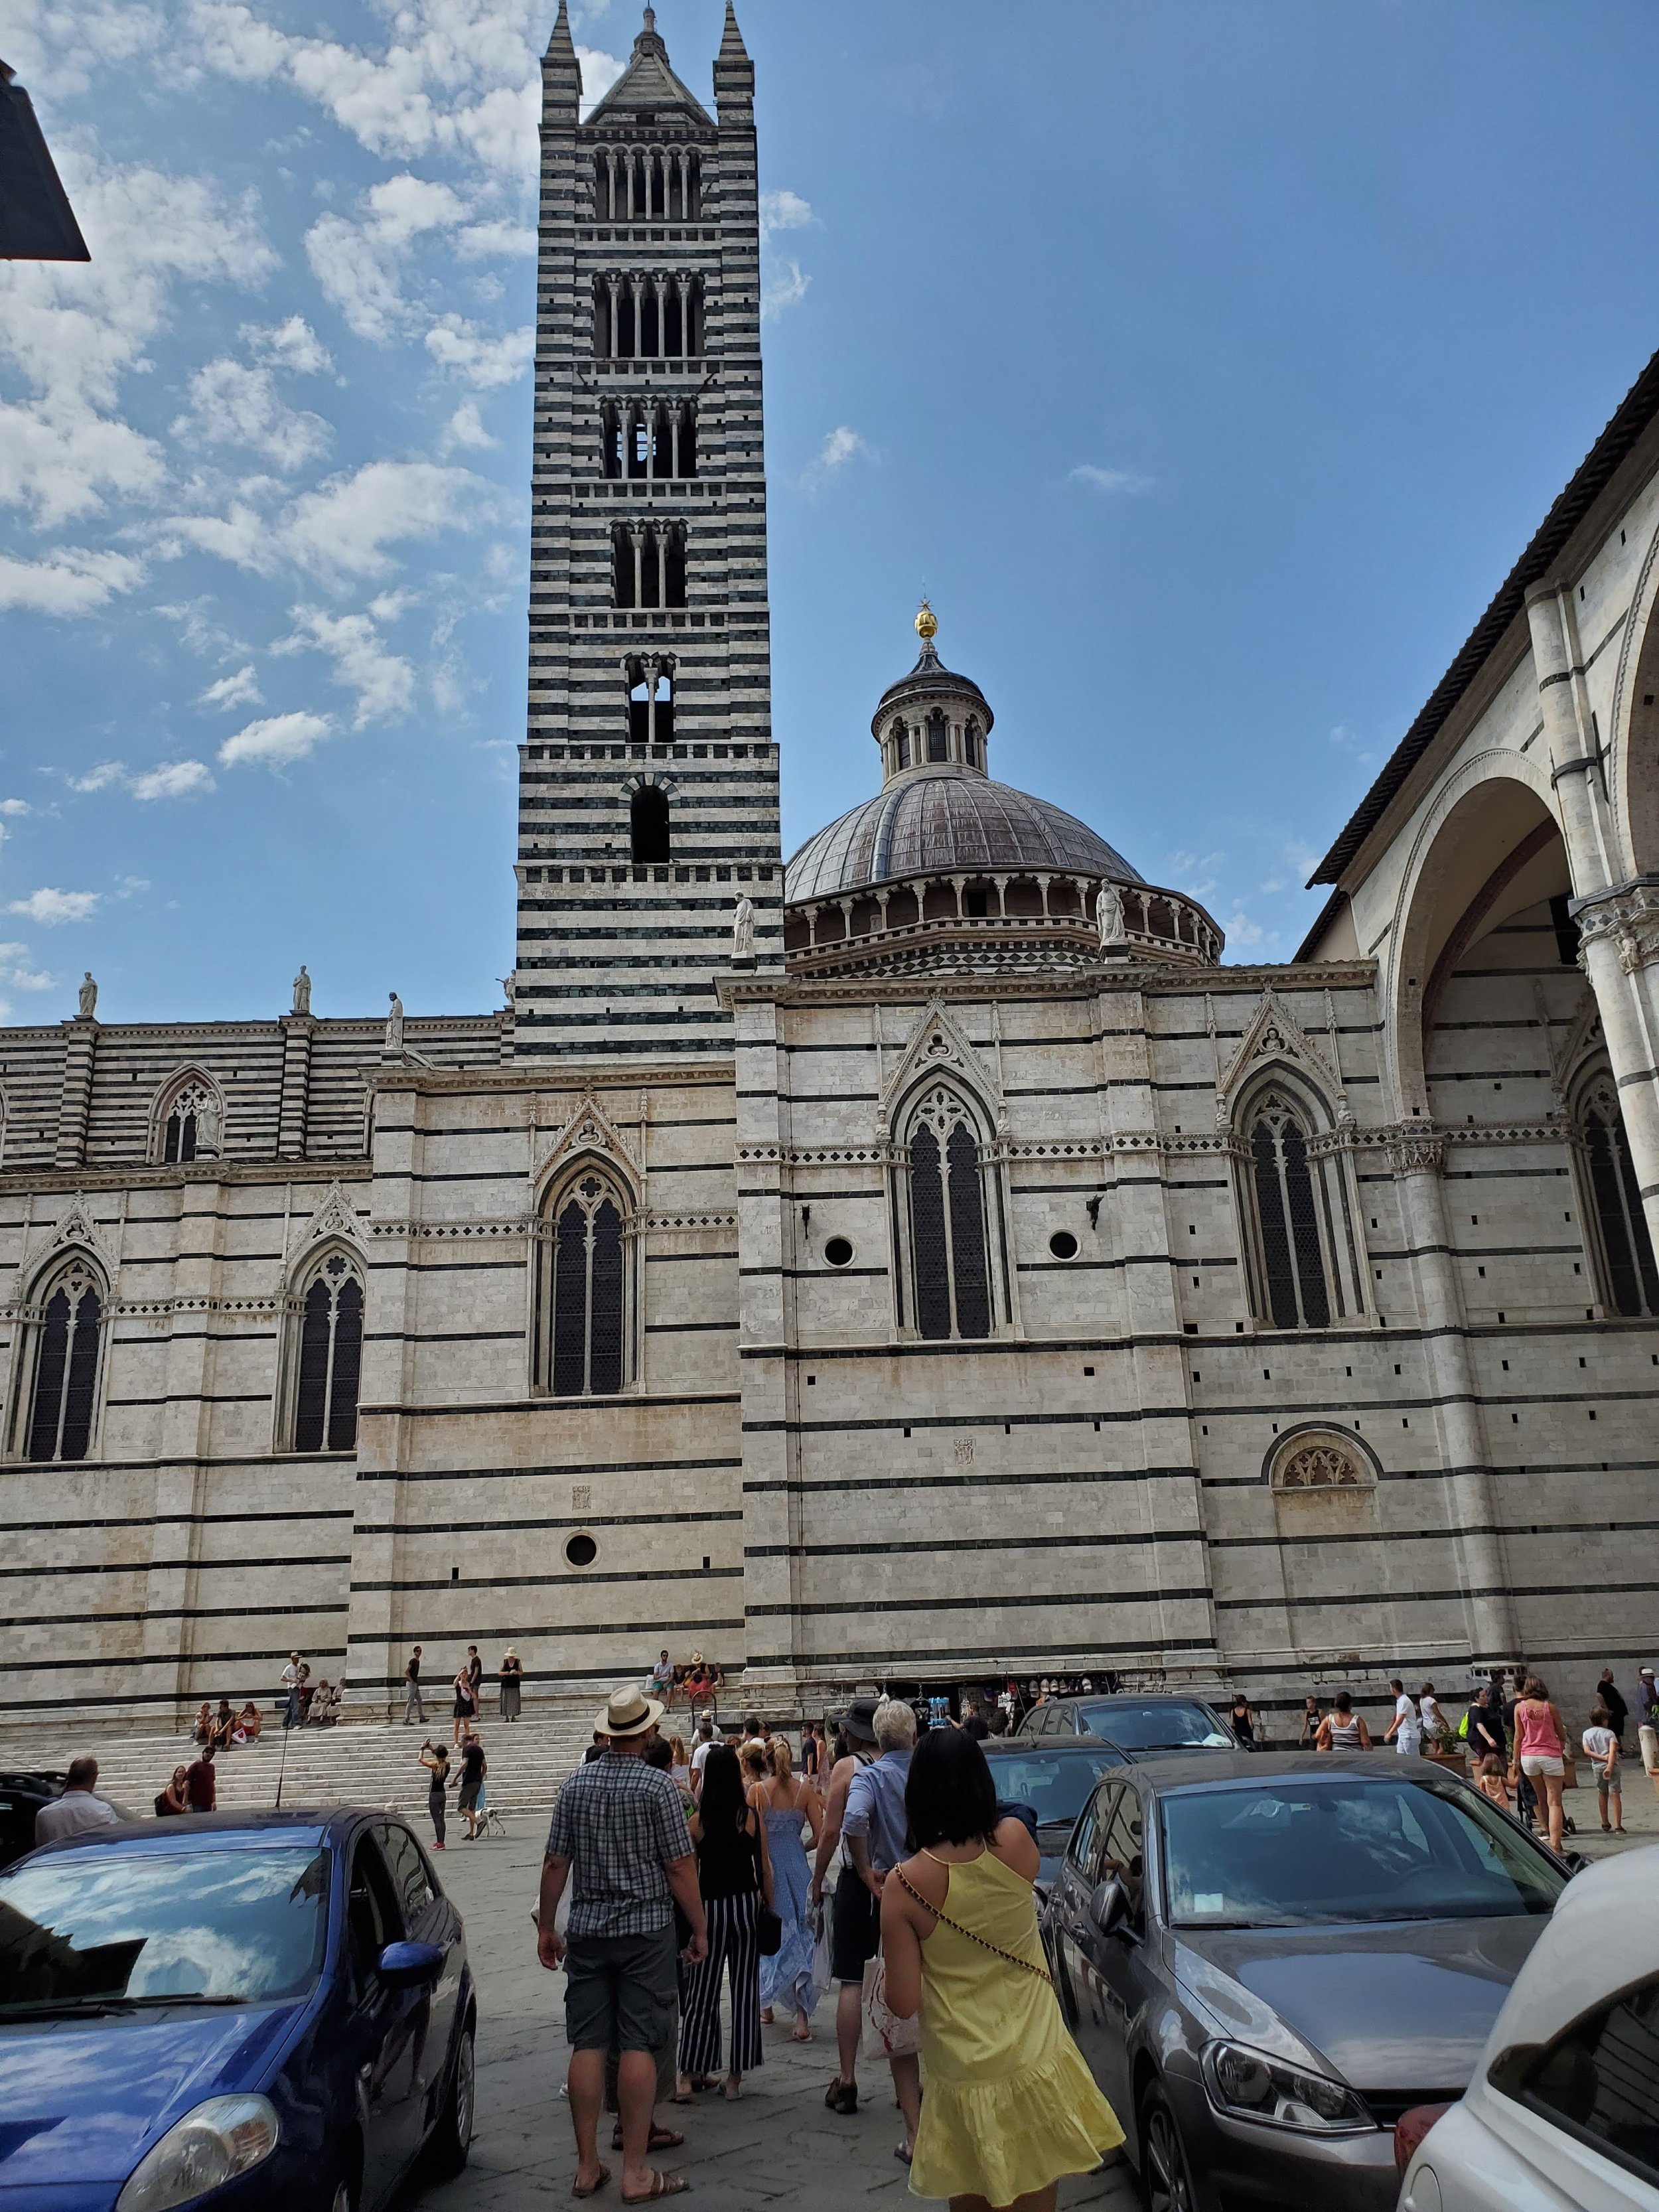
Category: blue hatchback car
[244,2011]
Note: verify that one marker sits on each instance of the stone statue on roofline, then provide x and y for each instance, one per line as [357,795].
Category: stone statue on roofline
[394,1027]
[1109,918]
[302,991]
[743,929]
[88,996]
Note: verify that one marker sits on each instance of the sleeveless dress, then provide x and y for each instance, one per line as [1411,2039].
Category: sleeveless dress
[1010,2106]
[786,1979]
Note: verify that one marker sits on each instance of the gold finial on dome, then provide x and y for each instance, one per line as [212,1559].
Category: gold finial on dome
[926,624]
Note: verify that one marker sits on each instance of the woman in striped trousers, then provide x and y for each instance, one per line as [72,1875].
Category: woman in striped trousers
[734,1873]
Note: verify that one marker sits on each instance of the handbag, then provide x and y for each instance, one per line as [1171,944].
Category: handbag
[769,1930]
[884,2034]
[1010,1957]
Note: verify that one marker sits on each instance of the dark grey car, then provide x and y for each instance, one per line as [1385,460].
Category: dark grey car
[1265,1959]
[1152,1721]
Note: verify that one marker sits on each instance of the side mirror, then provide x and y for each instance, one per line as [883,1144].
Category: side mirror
[1108,1905]
[409,1965]
[1575,1861]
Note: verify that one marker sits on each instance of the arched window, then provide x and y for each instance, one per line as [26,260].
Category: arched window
[970,742]
[1629,1282]
[581,1339]
[191,1128]
[947,1223]
[899,738]
[64,1392]
[1287,1225]
[647,823]
[330,1359]
[937,736]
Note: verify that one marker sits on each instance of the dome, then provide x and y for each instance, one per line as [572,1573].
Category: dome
[942,819]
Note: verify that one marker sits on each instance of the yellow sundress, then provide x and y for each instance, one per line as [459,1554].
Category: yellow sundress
[1008,2104]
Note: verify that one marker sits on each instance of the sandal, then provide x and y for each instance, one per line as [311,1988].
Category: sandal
[576,2188]
[842,2096]
[903,2155]
[659,2138]
[662,2185]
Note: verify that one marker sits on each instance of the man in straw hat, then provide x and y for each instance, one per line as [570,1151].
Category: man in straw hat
[619,1829]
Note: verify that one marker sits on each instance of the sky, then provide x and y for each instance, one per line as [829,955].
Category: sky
[1207,362]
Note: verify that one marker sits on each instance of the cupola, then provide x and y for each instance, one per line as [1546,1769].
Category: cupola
[931,718]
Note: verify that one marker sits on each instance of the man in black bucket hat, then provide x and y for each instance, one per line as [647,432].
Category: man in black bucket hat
[855,1912]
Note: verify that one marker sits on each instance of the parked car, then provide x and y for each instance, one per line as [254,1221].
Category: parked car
[1562,2114]
[1055,1779]
[1134,1724]
[21,1796]
[1266,1959]
[256,2010]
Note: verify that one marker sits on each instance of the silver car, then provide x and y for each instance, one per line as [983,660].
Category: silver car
[1267,1958]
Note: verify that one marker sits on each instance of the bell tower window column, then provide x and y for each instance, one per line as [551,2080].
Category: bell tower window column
[613,285]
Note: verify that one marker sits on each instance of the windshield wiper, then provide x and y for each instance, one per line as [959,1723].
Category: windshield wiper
[55,2007]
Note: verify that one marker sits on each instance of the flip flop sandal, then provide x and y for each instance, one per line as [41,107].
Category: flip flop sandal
[576,2188]
[662,2185]
[659,2139]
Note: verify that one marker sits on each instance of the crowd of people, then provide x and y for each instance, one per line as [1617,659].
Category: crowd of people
[466,1689]
[675,1873]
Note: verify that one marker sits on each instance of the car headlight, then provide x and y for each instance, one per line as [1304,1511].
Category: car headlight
[209,2146]
[1248,2085]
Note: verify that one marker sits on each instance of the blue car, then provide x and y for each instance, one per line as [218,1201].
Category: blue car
[245,2011]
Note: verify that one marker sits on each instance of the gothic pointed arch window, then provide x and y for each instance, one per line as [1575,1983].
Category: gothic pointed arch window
[67,1338]
[329,1365]
[1629,1282]
[189,1121]
[1289,1252]
[950,1261]
[581,1304]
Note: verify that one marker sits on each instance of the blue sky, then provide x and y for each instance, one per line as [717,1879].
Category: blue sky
[1208,364]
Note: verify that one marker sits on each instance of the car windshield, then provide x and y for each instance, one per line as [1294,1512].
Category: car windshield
[1055,1784]
[1290,1853]
[1160,1724]
[109,1927]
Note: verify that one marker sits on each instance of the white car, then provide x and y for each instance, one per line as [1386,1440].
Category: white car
[1562,2114]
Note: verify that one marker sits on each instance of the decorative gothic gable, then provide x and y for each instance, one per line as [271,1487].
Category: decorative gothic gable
[590,1129]
[1274,1034]
[937,1046]
[335,1216]
[74,1226]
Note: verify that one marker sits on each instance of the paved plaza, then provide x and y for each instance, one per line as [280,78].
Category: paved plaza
[778,2145]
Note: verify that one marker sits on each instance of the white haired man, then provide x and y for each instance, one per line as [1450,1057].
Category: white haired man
[874,1829]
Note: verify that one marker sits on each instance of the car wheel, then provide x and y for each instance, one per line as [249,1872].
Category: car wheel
[452,2139]
[1166,2181]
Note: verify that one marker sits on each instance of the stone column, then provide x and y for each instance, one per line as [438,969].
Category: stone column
[1472,1505]
[613,287]
[293,1112]
[1618,921]
[75,1105]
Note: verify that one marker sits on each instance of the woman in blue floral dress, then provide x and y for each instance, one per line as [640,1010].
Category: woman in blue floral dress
[788,1806]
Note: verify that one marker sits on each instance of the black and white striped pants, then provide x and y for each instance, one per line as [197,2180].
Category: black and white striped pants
[734,1947]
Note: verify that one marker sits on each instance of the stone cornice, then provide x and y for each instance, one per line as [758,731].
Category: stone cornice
[48,1181]
[1156,981]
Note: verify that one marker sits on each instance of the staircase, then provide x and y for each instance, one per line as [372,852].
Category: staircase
[355,1763]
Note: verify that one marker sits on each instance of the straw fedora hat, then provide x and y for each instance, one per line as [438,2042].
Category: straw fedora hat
[629,1712]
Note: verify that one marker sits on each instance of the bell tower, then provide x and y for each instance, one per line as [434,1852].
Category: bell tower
[648,779]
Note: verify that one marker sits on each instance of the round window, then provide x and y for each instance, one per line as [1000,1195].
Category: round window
[1063,1244]
[837,1251]
[582,1551]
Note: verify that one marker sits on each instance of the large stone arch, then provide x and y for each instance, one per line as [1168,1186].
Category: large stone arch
[1632,755]
[1489,820]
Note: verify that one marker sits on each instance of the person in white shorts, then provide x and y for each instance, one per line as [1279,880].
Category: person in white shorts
[1405,1730]
[1602,1745]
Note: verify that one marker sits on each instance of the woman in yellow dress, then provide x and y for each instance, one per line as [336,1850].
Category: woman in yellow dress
[1008,2104]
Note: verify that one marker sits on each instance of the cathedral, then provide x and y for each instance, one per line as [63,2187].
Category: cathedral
[918,1261]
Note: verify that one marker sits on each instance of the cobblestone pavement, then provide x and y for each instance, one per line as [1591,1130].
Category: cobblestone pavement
[777,2145]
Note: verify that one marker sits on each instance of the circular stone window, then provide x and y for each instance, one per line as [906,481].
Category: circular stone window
[582,1551]
[838,1252]
[1063,1244]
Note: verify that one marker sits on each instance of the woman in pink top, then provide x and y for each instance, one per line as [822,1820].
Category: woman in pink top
[1540,1753]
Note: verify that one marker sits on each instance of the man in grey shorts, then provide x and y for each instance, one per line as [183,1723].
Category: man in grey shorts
[619,1836]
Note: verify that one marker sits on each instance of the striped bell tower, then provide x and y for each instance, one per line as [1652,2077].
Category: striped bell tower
[648,780]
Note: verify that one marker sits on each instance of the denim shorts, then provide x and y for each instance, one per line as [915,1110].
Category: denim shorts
[620,1991]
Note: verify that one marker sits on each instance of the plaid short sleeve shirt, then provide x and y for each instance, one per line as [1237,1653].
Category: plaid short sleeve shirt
[620,1823]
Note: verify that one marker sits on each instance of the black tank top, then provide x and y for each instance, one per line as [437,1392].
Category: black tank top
[729,1866]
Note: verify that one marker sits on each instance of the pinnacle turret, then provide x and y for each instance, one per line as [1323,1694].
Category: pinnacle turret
[734,73]
[562,72]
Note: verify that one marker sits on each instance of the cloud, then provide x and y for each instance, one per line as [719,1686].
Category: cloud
[1350,741]
[346,525]
[100,778]
[466,429]
[841,446]
[783,281]
[383,681]
[49,907]
[241,689]
[292,344]
[19,977]
[783,284]
[1195,873]
[1110,482]
[234,403]
[1240,930]
[69,580]
[357,261]
[174,780]
[14,807]
[783,210]
[459,346]
[276,741]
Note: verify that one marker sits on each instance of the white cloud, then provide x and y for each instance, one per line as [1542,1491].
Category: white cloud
[14,807]
[100,778]
[783,284]
[460,346]
[783,281]
[346,524]
[241,689]
[174,780]
[69,580]
[479,240]
[783,210]
[357,261]
[236,403]
[1110,482]
[49,907]
[464,429]
[841,446]
[276,741]
[1196,873]
[383,681]
[1240,931]
[19,977]
[292,344]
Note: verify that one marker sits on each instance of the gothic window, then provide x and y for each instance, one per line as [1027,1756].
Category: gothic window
[1287,1225]
[64,1392]
[580,1338]
[647,565]
[646,183]
[937,736]
[651,698]
[1630,1282]
[947,1223]
[190,1129]
[647,823]
[330,1359]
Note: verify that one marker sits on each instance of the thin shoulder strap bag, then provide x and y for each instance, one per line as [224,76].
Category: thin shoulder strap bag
[1010,1957]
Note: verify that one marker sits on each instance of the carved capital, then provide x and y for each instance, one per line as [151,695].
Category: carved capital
[1629,916]
[1416,1154]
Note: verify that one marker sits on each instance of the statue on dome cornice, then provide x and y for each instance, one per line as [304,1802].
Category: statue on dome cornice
[1108,919]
